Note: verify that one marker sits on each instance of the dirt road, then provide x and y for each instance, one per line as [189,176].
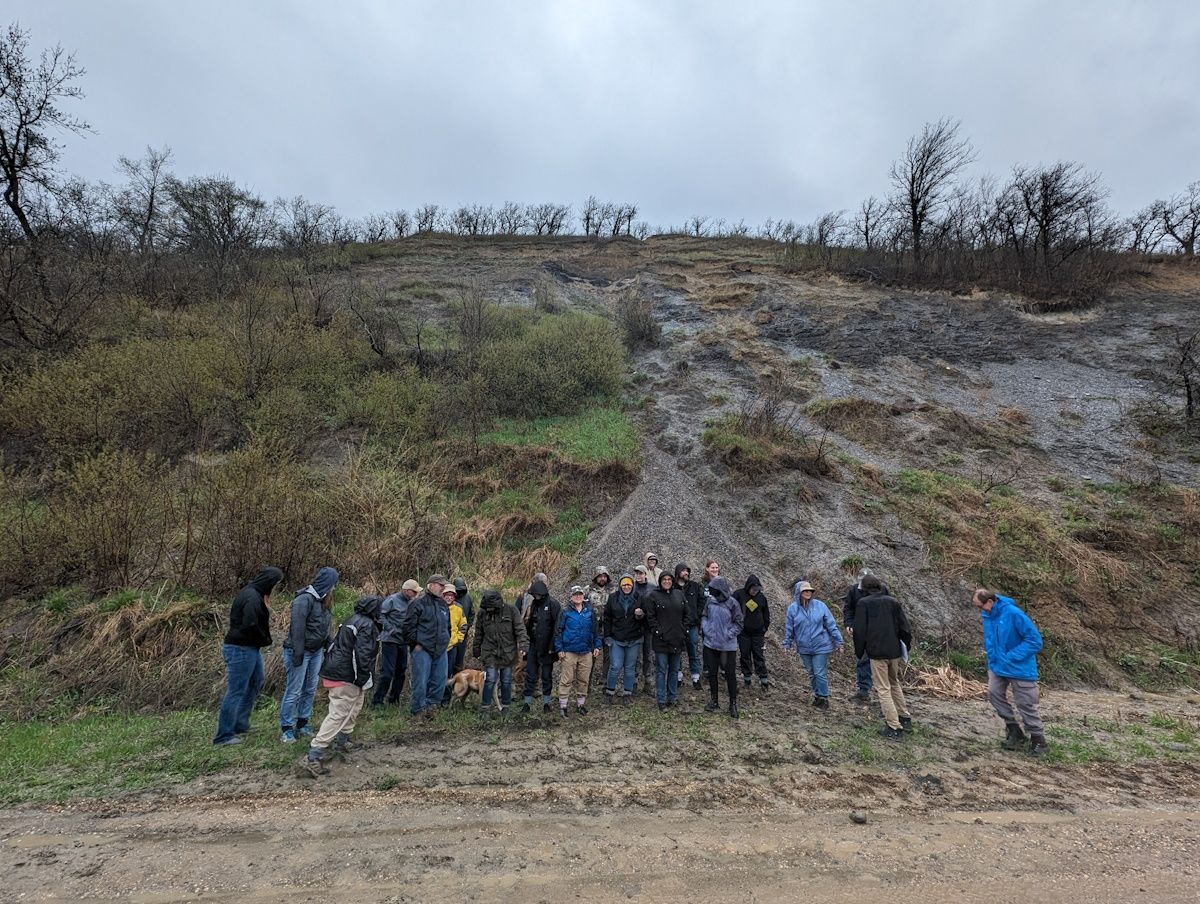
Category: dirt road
[384,847]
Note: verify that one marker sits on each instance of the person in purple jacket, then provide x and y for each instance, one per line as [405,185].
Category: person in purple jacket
[721,625]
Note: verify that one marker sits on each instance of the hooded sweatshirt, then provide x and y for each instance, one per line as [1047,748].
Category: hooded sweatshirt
[496,633]
[541,615]
[351,658]
[756,614]
[666,610]
[652,573]
[311,620]
[620,622]
[810,628]
[722,622]
[1011,641]
[249,618]
[597,594]
[693,595]
[465,602]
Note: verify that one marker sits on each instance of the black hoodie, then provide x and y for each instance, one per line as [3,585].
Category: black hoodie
[351,656]
[693,595]
[540,618]
[249,618]
[757,617]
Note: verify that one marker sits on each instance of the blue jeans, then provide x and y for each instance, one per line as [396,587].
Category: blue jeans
[393,665]
[817,666]
[695,660]
[428,679]
[666,676]
[300,688]
[490,676]
[535,665]
[625,656]
[863,672]
[244,679]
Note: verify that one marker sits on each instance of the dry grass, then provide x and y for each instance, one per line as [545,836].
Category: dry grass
[946,683]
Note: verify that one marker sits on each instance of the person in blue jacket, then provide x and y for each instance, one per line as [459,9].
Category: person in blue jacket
[577,643]
[1012,642]
[812,632]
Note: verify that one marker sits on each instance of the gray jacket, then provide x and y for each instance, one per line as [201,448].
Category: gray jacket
[392,616]
[309,630]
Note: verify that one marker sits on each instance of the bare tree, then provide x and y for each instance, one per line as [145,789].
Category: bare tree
[302,225]
[1061,202]
[427,217]
[1180,218]
[697,225]
[924,175]
[548,219]
[1187,370]
[141,206]
[374,227]
[218,223]
[510,218]
[401,223]
[589,216]
[1144,231]
[867,222]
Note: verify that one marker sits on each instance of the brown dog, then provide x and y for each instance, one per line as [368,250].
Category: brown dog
[463,683]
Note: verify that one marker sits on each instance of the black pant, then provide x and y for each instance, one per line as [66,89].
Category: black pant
[717,661]
[649,663]
[458,656]
[393,665]
[751,647]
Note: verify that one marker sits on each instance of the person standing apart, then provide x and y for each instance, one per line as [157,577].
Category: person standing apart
[881,633]
[577,642]
[393,651]
[303,652]
[347,673]
[427,633]
[812,632]
[721,625]
[496,644]
[249,631]
[1012,642]
[756,621]
[624,620]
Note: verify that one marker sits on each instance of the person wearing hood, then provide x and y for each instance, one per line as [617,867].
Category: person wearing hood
[427,633]
[1011,642]
[642,587]
[693,597]
[849,607]
[652,570]
[524,598]
[249,631]
[812,632]
[597,597]
[393,652]
[577,643]
[540,617]
[624,630]
[303,652]
[666,612]
[458,633]
[756,621]
[347,674]
[881,633]
[458,656]
[721,625]
[496,646]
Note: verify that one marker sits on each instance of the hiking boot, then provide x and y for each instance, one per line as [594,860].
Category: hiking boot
[524,709]
[581,709]
[821,702]
[1038,746]
[1015,738]
[712,705]
[670,703]
[860,697]
[892,734]
[695,682]
[233,740]
[627,700]
[608,698]
[288,736]
[303,731]
[308,767]
[746,680]
[504,713]
[562,711]
[906,723]
[662,707]
[546,708]
[343,744]
[733,711]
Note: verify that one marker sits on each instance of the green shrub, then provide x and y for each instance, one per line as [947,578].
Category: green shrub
[397,406]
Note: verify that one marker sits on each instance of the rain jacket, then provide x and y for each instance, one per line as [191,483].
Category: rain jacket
[620,623]
[541,617]
[351,656]
[693,595]
[577,632]
[756,614]
[666,611]
[810,629]
[496,632]
[392,613]
[311,621]
[465,602]
[880,628]
[458,626]
[1011,641]
[427,623]
[249,618]
[722,621]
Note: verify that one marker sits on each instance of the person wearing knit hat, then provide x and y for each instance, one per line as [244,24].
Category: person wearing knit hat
[393,652]
[303,653]
[623,628]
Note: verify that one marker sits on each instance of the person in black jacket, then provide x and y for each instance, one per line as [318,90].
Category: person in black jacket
[849,606]
[347,674]
[303,652]
[882,634]
[427,633]
[540,617]
[458,655]
[693,596]
[623,627]
[666,611]
[756,615]
[249,631]
[393,651]
[641,587]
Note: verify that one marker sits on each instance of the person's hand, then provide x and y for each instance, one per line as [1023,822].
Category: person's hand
[595,653]
[849,630]
[416,648]
[638,613]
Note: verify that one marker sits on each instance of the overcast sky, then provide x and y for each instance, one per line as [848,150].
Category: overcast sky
[738,109]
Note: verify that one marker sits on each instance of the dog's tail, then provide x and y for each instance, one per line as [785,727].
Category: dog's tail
[450,681]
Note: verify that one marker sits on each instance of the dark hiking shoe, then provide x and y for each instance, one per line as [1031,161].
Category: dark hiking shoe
[662,707]
[1038,746]
[562,711]
[627,700]
[906,723]
[343,743]
[608,699]
[712,706]
[860,697]
[581,709]
[310,768]
[746,680]
[695,684]
[892,734]
[671,703]
[546,707]
[524,709]
[821,702]
[236,739]
[1014,739]
[733,711]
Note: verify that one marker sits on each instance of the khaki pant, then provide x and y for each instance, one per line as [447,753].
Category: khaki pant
[885,675]
[575,671]
[345,702]
[1025,695]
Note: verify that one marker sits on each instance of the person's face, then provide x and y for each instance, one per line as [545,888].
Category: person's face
[411,594]
[641,577]
[450,598]
[685,575]
[652,562]
[435,588]
[627,585]
[667,582]
[577,599]
[977,599]
[806,595]
[713,569]
[602,580]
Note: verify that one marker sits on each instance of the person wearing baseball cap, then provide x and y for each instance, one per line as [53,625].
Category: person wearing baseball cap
[458,633]
[577,643]
[427,633]
[393,652]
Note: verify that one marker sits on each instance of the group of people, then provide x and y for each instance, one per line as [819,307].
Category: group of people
[642,626]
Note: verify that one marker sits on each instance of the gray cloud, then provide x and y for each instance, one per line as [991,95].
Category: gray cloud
[742,110]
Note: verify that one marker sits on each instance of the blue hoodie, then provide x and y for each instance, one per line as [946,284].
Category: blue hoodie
[810,629]
[1011,641]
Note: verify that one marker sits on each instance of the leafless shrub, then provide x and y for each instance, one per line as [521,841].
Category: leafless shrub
[635,314]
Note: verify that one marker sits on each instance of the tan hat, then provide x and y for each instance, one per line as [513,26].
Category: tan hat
[805,585]
[449,588]
[410,584]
